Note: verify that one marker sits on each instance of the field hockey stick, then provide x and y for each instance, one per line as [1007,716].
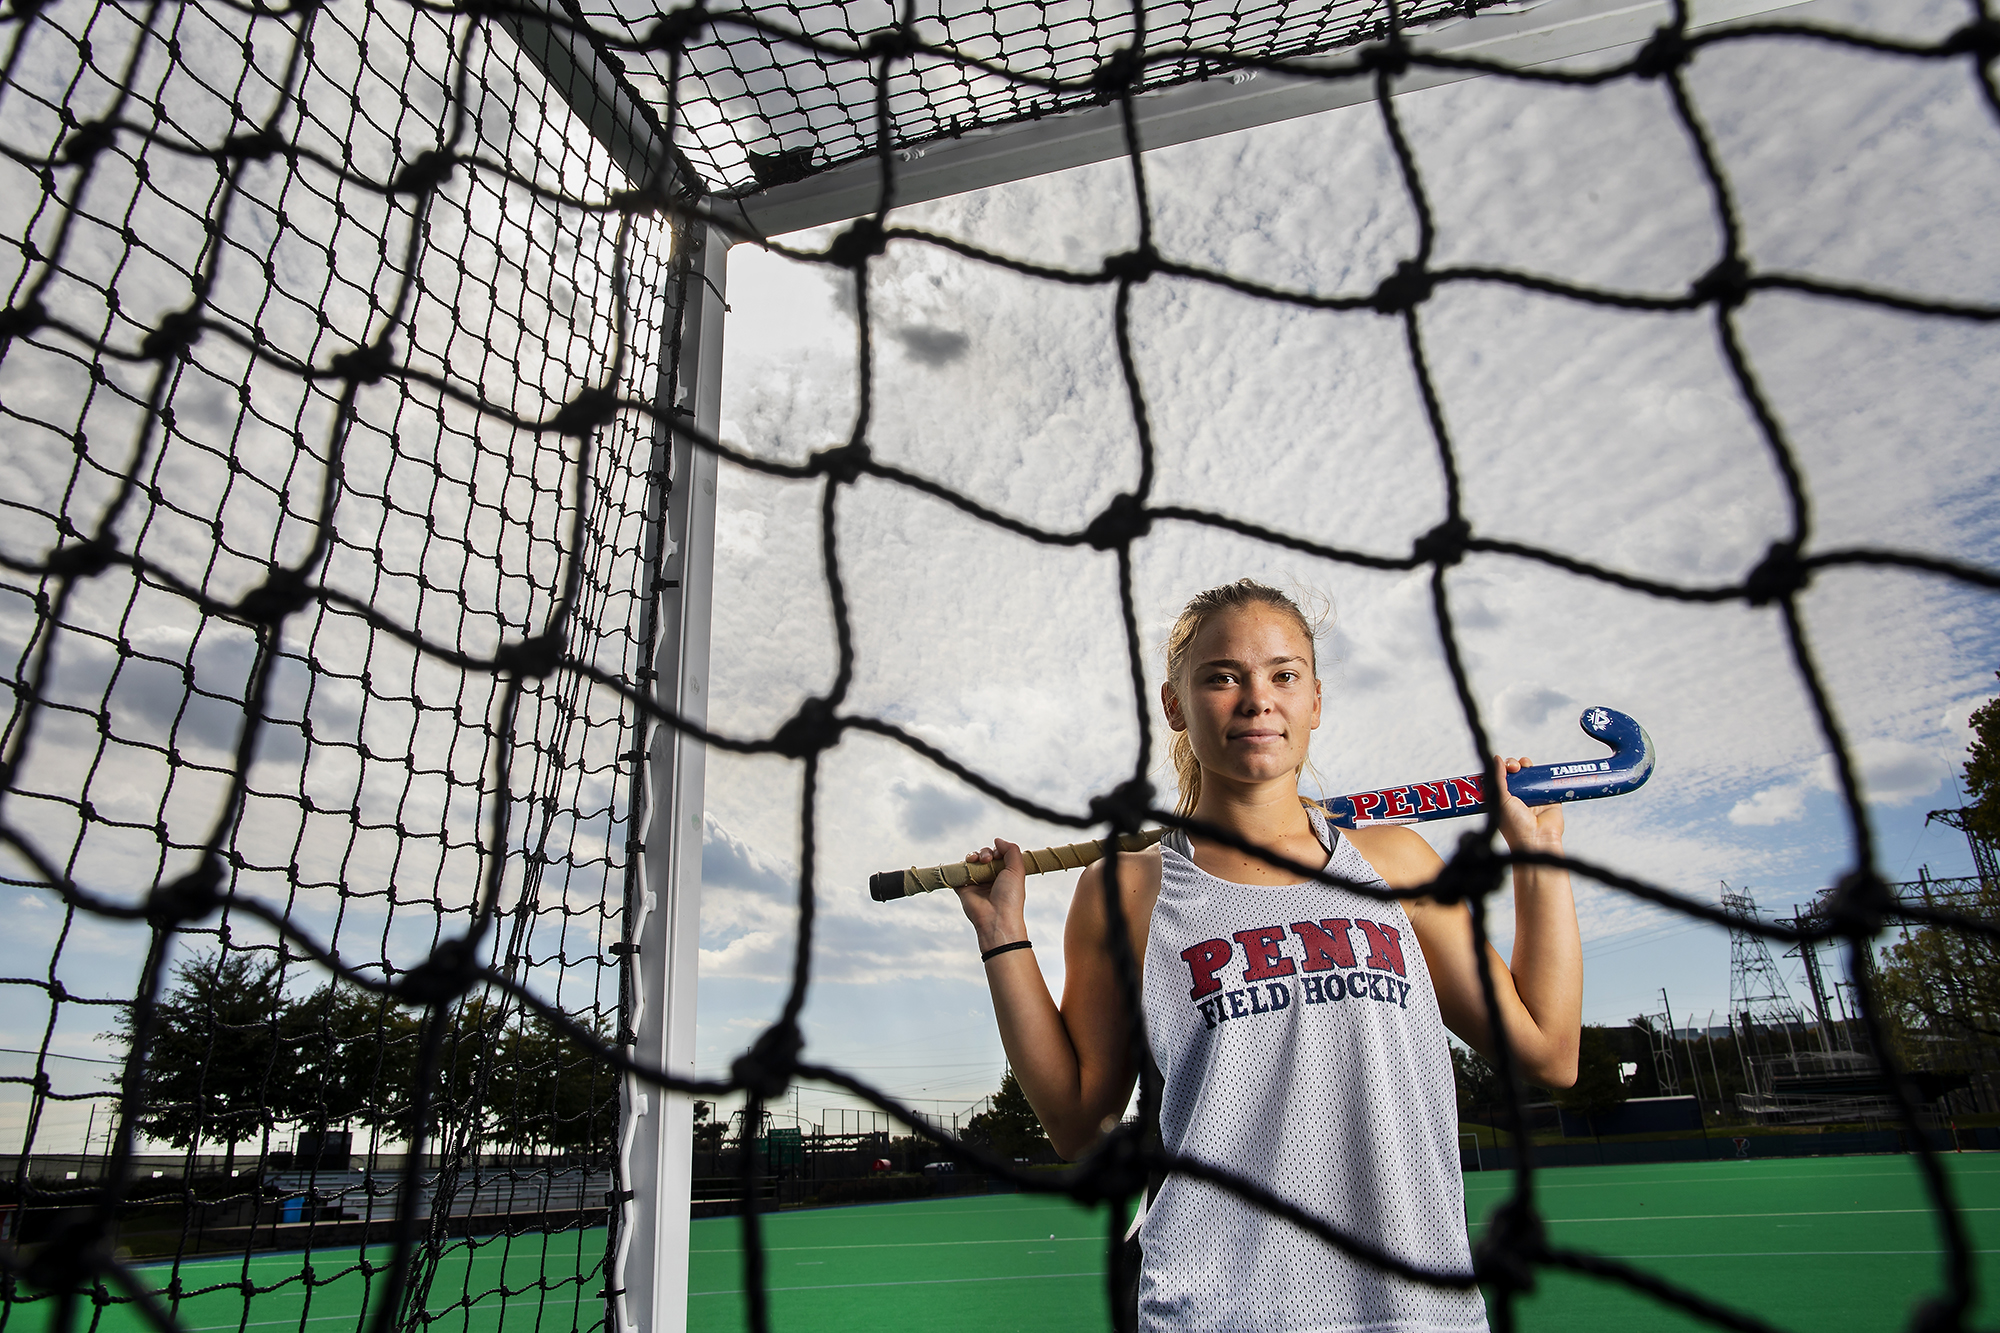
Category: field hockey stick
[1630,764]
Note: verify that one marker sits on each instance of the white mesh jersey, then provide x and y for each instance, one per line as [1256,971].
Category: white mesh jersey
[1300,1042]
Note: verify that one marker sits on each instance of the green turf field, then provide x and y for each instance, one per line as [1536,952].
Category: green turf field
[980,1265]
[1807,1243]
[526,1285]
[1815,1243]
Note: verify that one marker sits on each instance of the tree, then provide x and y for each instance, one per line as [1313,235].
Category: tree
[1598,1088]
[1011,1127]
[1943,985]
[1982,773]
[353,1057]
[1477,1083]
[567,1096]
[1940,987]
[215,1068]
[708,1131]
[515,1080]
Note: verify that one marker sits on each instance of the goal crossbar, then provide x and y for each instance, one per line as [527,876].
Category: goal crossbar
[1555,30]
[976,159]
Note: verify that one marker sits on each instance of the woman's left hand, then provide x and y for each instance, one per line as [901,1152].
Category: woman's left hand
[1527,828]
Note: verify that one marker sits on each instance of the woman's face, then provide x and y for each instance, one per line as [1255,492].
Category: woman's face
[1249,701]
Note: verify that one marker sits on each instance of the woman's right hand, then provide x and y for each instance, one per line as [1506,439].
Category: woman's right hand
[998,910]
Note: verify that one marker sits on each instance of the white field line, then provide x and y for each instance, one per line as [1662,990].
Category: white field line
[1716,1217]
[918,1282]
[1792,1254]
[1543,1180]
[908,1211]
[909,1245]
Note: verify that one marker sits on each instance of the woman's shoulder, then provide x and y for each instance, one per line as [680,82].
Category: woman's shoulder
[1403,859]
[1138,883]
[1134,868]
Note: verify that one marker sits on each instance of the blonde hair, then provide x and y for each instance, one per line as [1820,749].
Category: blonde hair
[1202,608]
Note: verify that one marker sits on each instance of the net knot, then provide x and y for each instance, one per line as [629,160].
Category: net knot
[1116,74]
[813,728]
[845,464]
[19,320]
[365,364]
[188,898]
[1981,38]
[581,415]
[1727,284]
[853,247]
[766,1068]
[1860,904]
[1444,545]
[1506,1254]
[1123,521]
[1409,286]
[81,559]
[1125,806]
[1116,1171]
[175,334]
[1390,57]
[278,596]
[441,978]
[256,147]
[1780,574]
[535,657]
[894,43]
[782,167]
[1473,871]
[1664,53]
[87,141]
[1132,265]
[673,28]
[424,173]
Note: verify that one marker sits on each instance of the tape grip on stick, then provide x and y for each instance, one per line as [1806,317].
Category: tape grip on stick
[890,885]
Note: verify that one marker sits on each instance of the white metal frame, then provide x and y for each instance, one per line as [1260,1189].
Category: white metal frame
[657,1135]
[649,1272]
[648,1278]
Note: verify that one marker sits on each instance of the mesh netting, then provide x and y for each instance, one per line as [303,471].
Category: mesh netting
[291,549]
[334,462]
[760,106]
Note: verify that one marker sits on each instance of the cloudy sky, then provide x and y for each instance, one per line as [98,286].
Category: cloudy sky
[1615,437]
[371,781]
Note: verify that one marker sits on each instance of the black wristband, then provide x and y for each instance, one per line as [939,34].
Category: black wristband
[999,949]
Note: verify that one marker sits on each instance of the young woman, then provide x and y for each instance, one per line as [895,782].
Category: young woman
[1299,1028]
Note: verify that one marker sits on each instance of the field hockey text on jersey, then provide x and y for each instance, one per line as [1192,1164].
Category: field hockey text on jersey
[1331,974]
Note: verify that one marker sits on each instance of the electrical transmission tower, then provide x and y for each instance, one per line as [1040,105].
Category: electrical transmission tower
[1985,859]
[1757,994]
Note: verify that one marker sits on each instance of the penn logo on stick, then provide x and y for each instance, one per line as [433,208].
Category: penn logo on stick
[1630,764]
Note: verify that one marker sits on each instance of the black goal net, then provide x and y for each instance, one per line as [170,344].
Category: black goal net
[339,375]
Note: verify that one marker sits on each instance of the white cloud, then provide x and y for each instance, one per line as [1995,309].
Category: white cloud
[1892,772]
[1771,806]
